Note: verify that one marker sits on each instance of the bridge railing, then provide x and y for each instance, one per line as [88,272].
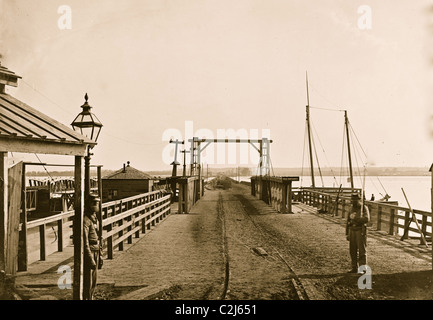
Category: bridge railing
[275,191]
[121,220]
[127,218]
[388,217]
[190,191]
[44,227]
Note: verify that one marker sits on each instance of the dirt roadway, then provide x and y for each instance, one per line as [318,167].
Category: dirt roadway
[233,246]
[215,252]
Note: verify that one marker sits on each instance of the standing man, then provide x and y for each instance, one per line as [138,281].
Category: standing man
[91,247]
[356,232]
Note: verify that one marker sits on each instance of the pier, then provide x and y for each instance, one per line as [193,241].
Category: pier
[233,245]
[181,238]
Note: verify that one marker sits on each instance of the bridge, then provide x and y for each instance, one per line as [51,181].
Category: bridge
[238,243]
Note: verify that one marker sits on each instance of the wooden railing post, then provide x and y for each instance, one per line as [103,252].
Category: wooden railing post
[148,225]
[60,235]
[42,243]
[120,223]
[337,206]
[289,197]
[391,222]
[109,239]
[129,219]
[423,227]
[284,198]
[143,221]
[406,224]
[379,218]
[343,208]
[136,224]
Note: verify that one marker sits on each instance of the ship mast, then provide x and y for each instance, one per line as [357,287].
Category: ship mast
[309,134]
[346,124]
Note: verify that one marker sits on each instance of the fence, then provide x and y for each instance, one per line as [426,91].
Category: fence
[384,216]
[121,220]
[190,191]
[63,222]
[275,191]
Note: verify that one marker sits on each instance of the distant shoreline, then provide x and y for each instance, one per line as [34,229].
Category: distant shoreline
[374,171]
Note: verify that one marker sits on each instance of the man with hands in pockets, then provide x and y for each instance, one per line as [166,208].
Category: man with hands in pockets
[356,232]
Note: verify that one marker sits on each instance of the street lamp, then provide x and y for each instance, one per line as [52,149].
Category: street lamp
[87,124]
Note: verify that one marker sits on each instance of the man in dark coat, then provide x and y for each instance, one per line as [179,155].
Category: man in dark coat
[356,232]
[91,247]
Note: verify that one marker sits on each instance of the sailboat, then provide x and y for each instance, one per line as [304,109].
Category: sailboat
[341,190]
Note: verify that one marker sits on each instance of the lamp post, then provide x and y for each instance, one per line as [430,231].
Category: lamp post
[87,124]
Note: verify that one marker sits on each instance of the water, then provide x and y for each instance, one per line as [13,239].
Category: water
[417,188]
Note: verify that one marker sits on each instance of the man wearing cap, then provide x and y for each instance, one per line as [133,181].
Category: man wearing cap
[356,232]
[91,247]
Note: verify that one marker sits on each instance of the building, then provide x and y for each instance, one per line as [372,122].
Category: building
[126,182]
[25,129]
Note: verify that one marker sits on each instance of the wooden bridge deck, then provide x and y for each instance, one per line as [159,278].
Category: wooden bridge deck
[303,255]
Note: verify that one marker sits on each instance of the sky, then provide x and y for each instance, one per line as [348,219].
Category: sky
[155,69]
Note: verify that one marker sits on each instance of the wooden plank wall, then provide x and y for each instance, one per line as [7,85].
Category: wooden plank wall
[14,209]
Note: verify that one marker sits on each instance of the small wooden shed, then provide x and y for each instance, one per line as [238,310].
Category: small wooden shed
[24,129]
[126,182]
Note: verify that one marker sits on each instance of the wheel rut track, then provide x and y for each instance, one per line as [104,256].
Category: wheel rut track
[221,214]
[248,207]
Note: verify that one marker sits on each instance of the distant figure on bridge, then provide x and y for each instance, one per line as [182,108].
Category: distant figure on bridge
[372,197]
[356,232]
[92,248]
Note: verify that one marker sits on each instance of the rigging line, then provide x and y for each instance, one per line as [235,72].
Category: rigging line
[356,153]
[352,133]
[317,159]
[374,185]
[342,154]
[133,142]
[351,128]
[69,112]
[357,165]
[318,165]
[303,154]
[323,96]
[44,167]
[327,109]
[365,155]
[46,97]
[323,150]
[381,185]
